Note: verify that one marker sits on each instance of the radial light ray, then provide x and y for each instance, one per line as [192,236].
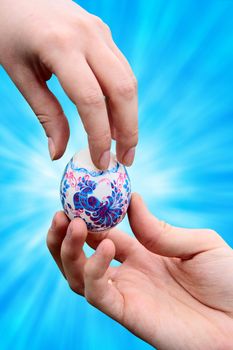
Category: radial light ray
[182,55]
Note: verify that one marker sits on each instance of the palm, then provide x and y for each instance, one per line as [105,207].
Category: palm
[173,288]
[177,292]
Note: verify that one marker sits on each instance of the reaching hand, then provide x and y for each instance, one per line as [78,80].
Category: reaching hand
[39,38]
[174,287]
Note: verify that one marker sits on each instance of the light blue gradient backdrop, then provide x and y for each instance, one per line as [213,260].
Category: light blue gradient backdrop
[182,55]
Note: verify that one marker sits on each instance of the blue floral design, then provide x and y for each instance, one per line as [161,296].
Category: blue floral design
[64,187]
[103,214]
[99,214]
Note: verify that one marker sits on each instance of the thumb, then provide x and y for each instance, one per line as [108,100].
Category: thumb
[47,109]
[167,240]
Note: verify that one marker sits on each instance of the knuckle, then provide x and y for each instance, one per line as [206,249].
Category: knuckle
[107,29]
[132,134]
[97,20]
[211,232]
[43,118]
[213,236]
[126,88]
[53,36]
[100,23]
[92,98]
[149,243]
[68,254]
[164,226]
[102,137]
[128,136]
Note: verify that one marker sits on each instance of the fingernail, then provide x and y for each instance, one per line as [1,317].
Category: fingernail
[129,156]
[51,146]
[69,232]
[104,160]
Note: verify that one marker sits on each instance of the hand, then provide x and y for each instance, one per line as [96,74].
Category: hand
[174,287]
[39,38]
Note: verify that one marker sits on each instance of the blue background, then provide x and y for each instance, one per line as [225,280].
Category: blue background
[182,55]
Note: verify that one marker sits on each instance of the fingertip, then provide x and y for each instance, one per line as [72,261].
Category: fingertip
[99,262]
[57,151]
[104,160]
[61,215]
[136,197]
[52,149]
[140,218]
[57,232]
[100,158]
[73,242]
[58,138]
[126,144]
[106,248]
[54,221]
[135,201]
[56,155]
[77,230]
[59,219]
[129,156]
[79,225]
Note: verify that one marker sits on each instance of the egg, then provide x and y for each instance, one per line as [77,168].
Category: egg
[99,197]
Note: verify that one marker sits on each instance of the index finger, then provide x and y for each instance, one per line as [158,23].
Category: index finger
[82,87]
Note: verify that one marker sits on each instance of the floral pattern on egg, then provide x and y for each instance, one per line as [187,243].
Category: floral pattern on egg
[100,197]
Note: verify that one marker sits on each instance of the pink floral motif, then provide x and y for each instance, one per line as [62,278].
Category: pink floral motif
[121,179]
[105,180]
[71,178]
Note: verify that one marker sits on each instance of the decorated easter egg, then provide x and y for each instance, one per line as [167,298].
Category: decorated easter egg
[100,197]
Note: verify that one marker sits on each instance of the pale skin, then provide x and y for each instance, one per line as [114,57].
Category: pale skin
[173,288]
[39,38]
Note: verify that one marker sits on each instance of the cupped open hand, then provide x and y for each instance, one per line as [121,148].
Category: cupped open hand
[173,288]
